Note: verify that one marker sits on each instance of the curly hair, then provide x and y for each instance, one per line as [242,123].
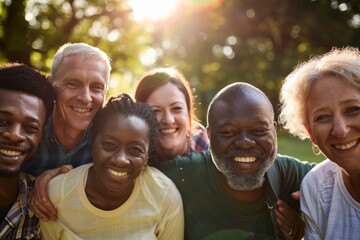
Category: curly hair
[342,63]
[20,77]
[124,104]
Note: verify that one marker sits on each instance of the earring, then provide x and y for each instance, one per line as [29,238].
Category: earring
[315,149]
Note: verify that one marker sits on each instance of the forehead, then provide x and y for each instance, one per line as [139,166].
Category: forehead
[165,95]
[328,88]
[120,125]
[241,109]
[22,105]
[74,65]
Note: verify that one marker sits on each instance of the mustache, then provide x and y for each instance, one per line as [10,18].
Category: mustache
[237,151]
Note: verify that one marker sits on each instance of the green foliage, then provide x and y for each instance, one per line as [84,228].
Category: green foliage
[238,40]
[289,145]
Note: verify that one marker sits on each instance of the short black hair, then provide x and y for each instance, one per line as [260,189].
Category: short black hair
[124,104]
[20,77]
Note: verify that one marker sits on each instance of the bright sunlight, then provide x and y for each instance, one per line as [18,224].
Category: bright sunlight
[153,10]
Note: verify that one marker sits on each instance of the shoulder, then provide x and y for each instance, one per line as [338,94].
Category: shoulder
[179,162]
[64,184]
[158,186]
[324,170]
[288,163]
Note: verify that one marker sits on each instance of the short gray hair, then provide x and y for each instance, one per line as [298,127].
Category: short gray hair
[82,49]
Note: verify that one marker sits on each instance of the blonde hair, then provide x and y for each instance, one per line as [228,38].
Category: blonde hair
[342,63]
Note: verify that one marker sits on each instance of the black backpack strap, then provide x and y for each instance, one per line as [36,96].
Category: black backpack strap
[274,178]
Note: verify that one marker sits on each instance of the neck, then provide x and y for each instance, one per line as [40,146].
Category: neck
[68,137]
[351,182]
[248,196]
[9,190]
[100,197]
[169,154]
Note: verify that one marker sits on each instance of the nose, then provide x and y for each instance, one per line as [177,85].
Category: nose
[14,133]
[340,127]
[167,117]
[120,158]
[244,141]
[85,95]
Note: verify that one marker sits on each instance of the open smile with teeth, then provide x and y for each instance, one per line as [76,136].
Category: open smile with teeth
[81,110]
[168,130]
[118,174]
[10,153]
[245,159]
[346,146]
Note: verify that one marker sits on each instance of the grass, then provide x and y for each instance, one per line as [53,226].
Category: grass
[289,145]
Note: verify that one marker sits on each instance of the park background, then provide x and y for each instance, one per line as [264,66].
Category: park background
[213,42]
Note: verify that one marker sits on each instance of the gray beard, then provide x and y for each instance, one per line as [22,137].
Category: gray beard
[243,181]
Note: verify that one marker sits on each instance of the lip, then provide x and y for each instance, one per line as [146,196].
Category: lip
[81,110]
[11,153]
[346,146]
[168,131]
[243,159]
[118,175]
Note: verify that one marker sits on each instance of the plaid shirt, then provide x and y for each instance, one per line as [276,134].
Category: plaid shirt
[50,154]
[200,139]
[19,222]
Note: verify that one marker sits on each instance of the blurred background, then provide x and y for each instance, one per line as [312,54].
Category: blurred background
[213,42]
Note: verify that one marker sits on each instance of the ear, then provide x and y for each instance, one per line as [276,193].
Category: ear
[208,132]
[310,135]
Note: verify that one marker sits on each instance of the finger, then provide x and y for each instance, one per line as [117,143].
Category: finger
[296,195]
[66,168]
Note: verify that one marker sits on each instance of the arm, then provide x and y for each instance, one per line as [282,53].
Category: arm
[290,222]
[38,200]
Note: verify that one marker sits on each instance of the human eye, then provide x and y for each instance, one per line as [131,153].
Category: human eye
[156,110]
[227,133]
[71,84]
[3,122]
[107,145]
[137,151]
[353,110]
[177,108]
[322,118]
[261,131]
[32,128]
[97,88]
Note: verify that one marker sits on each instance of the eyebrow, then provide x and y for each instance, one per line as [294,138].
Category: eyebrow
[28,118]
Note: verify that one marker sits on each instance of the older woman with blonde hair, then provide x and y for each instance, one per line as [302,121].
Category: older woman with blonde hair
[320,100]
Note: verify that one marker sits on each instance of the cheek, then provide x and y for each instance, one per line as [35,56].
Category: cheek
[98,99]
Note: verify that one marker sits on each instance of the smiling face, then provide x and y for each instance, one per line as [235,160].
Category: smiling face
[22,119]
[80,86]
[242,138]
[333,108]
[120,152]
[169,104]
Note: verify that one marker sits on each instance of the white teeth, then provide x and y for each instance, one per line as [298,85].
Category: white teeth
[10,153]
[245,159]
[118,174]
[346,146]
[81,110]
[168,130]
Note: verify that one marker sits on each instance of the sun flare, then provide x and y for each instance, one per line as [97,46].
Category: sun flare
[153,10]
